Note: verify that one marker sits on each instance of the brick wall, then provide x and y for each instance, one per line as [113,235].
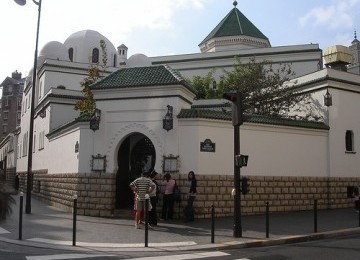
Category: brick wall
[96,193]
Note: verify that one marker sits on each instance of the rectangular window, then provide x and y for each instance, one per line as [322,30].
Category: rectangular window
[11,143]
[4,129]
[25,144]
[6,102]
[41,140]
[349,141]
[6,115]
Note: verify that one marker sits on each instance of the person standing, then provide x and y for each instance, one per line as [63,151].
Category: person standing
[153,199]
[142,186]
[189,209]
[357,198]
[168,198]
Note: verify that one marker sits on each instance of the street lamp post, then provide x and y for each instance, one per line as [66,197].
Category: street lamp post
[31,124]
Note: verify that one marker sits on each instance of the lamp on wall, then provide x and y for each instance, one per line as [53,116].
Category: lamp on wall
[327,99]
[95,120]
[168,119]
[77,147]
[42,113]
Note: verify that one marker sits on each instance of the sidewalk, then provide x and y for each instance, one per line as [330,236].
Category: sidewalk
[48,227]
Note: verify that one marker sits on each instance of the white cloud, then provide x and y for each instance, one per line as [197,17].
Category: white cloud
[335,15]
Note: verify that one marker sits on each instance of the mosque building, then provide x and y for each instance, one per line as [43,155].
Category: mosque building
[148,118]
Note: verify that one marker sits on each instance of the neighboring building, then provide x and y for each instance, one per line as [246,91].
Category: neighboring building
[10,117]
[11,103]
[148,119]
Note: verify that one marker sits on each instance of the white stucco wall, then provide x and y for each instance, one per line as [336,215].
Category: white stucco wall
[343,116]
[63,146]
[273,151]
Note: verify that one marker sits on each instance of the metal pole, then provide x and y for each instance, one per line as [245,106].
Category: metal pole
[74,220]
[146,216]
[212,224]
[31,122]
[359,216]
[21,214]
[267,220]
[237,197]
[315,216]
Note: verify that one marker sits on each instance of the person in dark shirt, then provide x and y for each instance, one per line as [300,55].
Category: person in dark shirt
[189,210]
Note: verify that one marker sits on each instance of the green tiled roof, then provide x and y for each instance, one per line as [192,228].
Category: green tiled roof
[258,119]
[142,77]
[235,23]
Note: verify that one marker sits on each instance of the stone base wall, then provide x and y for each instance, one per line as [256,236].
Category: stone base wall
[10,177]
[96,193]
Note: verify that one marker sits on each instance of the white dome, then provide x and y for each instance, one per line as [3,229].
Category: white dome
[138,60]
[83,43]
[54,50]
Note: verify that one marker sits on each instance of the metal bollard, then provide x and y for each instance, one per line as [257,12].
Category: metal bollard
[267,220]
[21,214]
[315,216]
[146,218]
[212,224]
[74,220]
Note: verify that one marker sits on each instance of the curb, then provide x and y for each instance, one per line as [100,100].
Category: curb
[218,246]
[291,239]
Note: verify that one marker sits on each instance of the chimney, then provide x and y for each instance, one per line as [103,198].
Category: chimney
[16,75]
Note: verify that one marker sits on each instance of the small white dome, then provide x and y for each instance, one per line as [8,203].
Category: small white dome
[83,43]
[138,60]
[54,50]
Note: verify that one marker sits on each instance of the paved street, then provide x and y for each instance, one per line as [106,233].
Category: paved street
[49,227]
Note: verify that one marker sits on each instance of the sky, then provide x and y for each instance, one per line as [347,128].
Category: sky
[166,27]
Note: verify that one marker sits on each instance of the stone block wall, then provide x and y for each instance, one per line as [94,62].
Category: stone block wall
[96,193]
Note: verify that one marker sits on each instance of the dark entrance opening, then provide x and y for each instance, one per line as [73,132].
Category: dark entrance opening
[136,154]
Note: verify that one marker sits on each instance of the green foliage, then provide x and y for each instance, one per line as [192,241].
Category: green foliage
[87,105]
[205,86]
[6,200]
[264,89]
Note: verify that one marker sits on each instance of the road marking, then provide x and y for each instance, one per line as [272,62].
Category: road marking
[3,231]
[115,245]
[185,256]
[63,256]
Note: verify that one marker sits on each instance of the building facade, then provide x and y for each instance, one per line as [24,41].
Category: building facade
[148,118]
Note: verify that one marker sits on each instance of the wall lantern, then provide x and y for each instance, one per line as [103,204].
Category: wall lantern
[42,113]
[168,119]
[95,120]
[170,164]
[327,99]
[77,147]
[98,163]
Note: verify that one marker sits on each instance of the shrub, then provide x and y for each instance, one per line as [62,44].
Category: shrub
[6,200]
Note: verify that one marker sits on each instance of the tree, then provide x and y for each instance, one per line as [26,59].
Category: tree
[265,88]
[87,105]
[204,86]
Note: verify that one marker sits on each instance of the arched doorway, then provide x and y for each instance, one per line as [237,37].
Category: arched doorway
[136,154]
